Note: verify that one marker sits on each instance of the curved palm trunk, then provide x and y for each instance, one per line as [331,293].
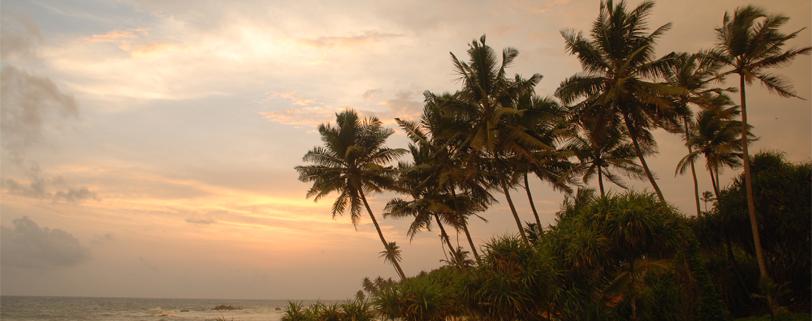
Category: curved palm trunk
[714,182]
[639,152]
[380,234]
[444,235]
[532,205]
[513,210]
[471,242]
[467,233]
[693,169]
[600,182]
[751,204]
[728,244]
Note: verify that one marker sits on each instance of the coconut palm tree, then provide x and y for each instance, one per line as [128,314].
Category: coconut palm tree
[750,44]
[694,73]
[545,120]
[487,104]
[445,169]
[427,202]
[352,162]
[619,65]
[601,152]
[715,137]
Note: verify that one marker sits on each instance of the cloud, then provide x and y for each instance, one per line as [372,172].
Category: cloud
[200,220]
[372,93]
[102,239]
[306,116]
[309,113]
[117,36]
[291,97]
[20,37]
[27,245]
[29,105]
[404,105]
[365,38]
[39,187]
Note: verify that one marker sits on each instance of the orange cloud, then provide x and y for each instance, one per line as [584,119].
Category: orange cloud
[347,41]
[117,36]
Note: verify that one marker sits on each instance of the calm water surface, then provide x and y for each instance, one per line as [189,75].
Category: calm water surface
[15,308]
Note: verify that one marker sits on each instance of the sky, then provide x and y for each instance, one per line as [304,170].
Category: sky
[148,146]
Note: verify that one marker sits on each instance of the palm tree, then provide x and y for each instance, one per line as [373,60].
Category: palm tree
[750,44]
[600,151]
[716,137]
[443,169]
[545,120]
[618,64]
[427,202]
[487,104]
[694,73]
[352,161]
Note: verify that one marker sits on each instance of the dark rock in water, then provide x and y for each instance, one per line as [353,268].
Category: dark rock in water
[225,307]
[278,309]
[184,310]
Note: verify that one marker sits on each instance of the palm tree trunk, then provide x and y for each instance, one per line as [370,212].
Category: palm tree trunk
[693,169]
[714,182]
[380,234]
[471,242]
[467,233]
[532,205]
[633,294]
[751,204]
[444,235]
[513,210]
[728,244]
[600,181]
[639,152]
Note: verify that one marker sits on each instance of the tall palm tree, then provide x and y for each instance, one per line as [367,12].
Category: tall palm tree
[487,103]
[427,202]
[601,151]
[545,120]
[715,136]
[443,169]
[619,66]
[693,73]
[352,162]
[750,44]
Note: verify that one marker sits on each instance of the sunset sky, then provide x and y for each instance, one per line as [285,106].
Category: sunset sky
[148,146]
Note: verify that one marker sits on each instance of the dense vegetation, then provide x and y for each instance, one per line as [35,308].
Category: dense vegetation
[628,256]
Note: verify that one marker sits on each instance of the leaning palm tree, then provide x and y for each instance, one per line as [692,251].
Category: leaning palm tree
[487,104]
[427,202]
[544,119]
[352,162]
[602,153]
[750,43]
[440,170]
[694,73]
[715,136]
[619,67]
[392,254]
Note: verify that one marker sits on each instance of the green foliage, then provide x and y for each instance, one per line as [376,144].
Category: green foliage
[355,310]
[784,209]
[624,256]
[513,282]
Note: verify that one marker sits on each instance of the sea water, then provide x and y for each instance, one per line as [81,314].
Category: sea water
[19,308]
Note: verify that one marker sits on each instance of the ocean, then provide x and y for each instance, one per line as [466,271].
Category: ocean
[19,308]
